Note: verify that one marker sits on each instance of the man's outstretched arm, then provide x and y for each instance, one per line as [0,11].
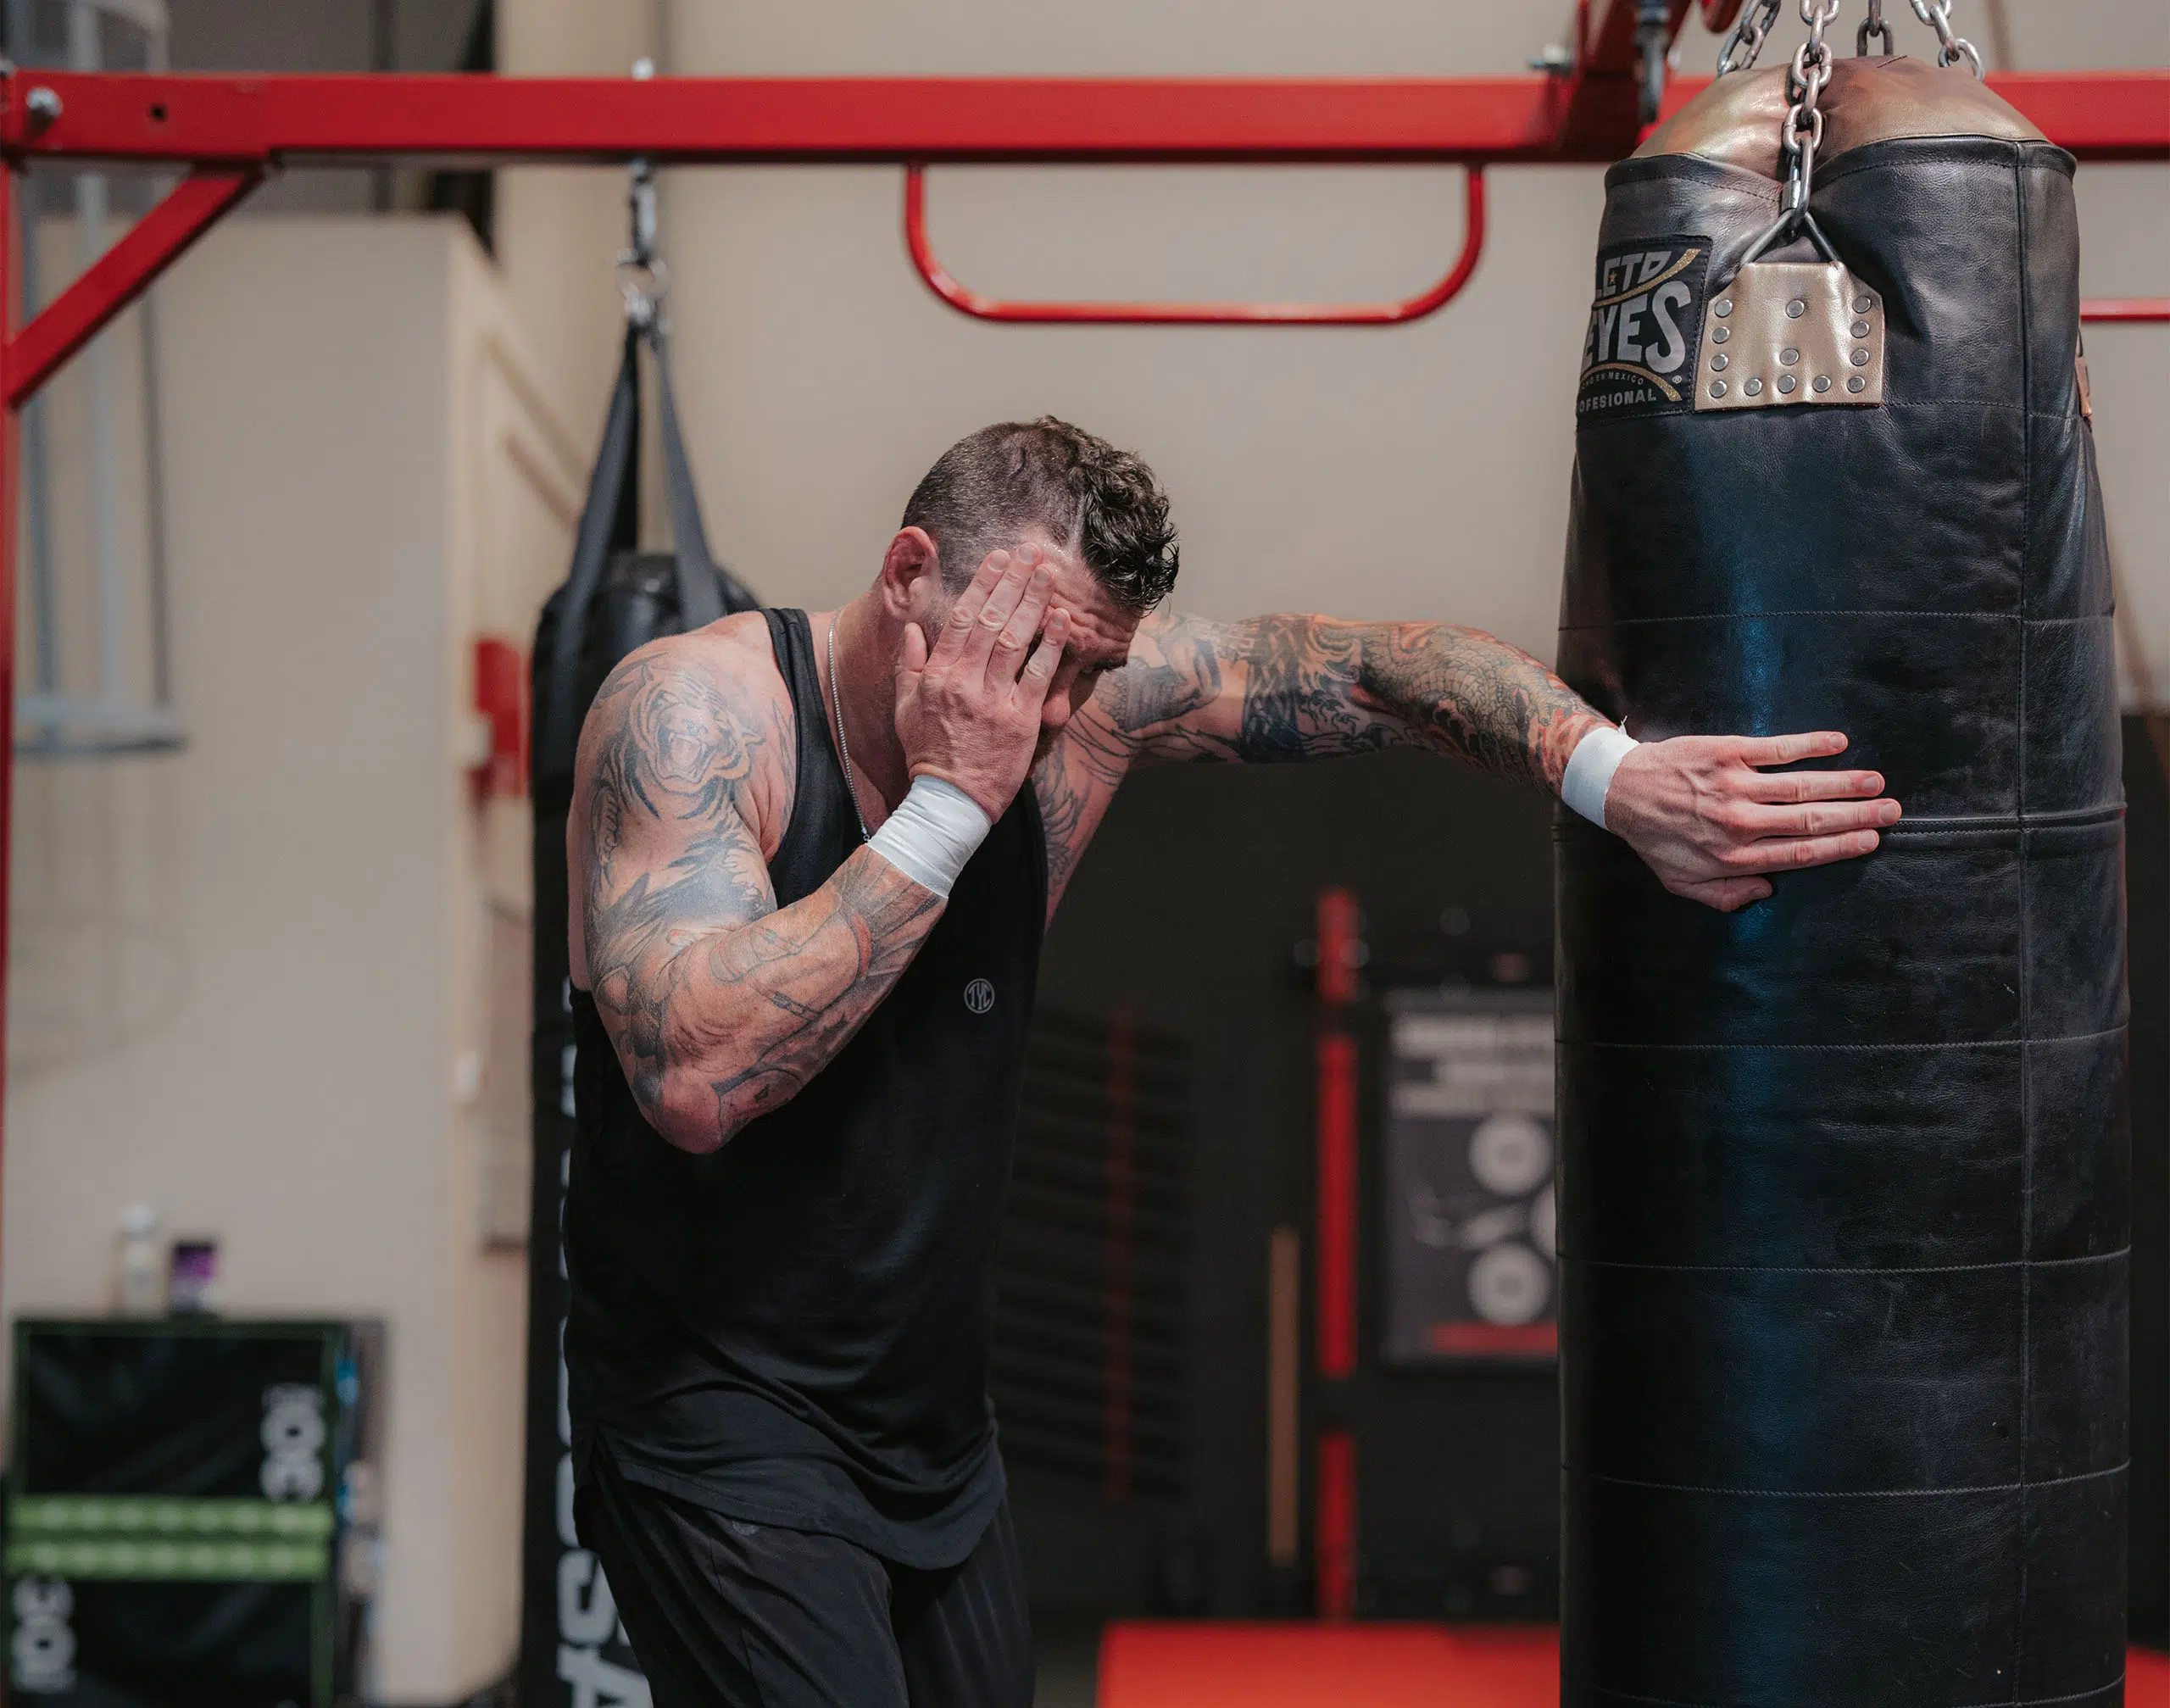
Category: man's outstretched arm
[1699,809]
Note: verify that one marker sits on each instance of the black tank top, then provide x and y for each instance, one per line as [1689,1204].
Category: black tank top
[794,1329]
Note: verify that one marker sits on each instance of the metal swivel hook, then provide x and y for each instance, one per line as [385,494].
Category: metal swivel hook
[1652,33]
[642,278]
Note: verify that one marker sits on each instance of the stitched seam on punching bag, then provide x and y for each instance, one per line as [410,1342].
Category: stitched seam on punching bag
[2118,1469]
[1905,153]
[1931,831]
[1590,423]
[1865,1271]
[1977,403]
[2026,956]
[1957,824]
[1581,1684]
[1959,1043]
[1846,611]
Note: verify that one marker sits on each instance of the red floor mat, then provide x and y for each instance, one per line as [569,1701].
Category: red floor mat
[1258,1666]
[2147,1679]
[1215,1664]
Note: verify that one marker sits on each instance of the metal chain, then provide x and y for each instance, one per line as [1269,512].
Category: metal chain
[1876,24]
[1804,80]
[642,278]
[1746,41]
[1754,24]
[1951,49]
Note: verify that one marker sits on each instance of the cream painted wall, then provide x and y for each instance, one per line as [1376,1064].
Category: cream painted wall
[1411,472]
[257,977]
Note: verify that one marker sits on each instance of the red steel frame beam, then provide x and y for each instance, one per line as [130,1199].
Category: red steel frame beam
[2115,310]
[32,356]
[232,129]
[1528,120]
[713,120]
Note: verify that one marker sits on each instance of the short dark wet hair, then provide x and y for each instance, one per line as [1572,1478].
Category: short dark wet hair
[1090,498]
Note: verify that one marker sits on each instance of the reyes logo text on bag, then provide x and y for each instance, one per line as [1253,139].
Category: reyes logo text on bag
[1639,352]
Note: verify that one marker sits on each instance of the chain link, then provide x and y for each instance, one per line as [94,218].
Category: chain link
[1876,24]
[1746,41]
[1951,49]
[1805,82]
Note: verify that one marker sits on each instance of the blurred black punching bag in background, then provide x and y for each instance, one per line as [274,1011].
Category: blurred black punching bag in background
[616,599]
[1845,1179]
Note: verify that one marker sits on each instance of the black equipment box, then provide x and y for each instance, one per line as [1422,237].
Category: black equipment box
[191,1512]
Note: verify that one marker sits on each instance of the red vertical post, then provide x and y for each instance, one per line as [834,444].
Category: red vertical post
[1119,1253]
[1336,1202]
[10,506]
[10,473]
[1333,1539]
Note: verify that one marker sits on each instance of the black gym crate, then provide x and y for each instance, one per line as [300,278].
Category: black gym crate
[191,1517]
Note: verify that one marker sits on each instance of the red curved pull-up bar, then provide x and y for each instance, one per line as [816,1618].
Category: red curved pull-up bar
[971,302]
[2114,310]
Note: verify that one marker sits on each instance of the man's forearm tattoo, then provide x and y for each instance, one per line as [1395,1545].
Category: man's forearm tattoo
[696,971]
[1470,695]
[1074,782]
[1312,688]
[1168,699]
[803,979]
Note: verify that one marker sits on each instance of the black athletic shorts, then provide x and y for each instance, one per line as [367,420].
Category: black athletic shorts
[725,1614]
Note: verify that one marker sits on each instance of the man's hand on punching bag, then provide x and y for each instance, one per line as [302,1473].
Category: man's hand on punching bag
[1709,822]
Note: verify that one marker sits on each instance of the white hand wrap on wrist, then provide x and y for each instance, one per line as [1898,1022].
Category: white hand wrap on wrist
[932,833]
[1590,769]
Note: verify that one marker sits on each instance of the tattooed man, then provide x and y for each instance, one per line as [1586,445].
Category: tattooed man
[812,858]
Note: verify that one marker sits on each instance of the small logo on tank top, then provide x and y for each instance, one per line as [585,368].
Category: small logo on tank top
[979,996]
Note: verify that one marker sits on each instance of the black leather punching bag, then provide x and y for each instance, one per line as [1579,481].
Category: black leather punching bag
[1844,1180]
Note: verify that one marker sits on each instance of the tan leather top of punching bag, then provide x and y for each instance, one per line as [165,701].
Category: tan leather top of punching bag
[1737,119]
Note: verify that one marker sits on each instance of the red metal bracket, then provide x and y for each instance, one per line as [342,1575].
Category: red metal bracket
[2126,310]
[116,279]
[501,703]
[971,302]
[1601,97]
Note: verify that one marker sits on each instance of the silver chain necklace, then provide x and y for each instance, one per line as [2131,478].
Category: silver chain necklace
[843,741]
